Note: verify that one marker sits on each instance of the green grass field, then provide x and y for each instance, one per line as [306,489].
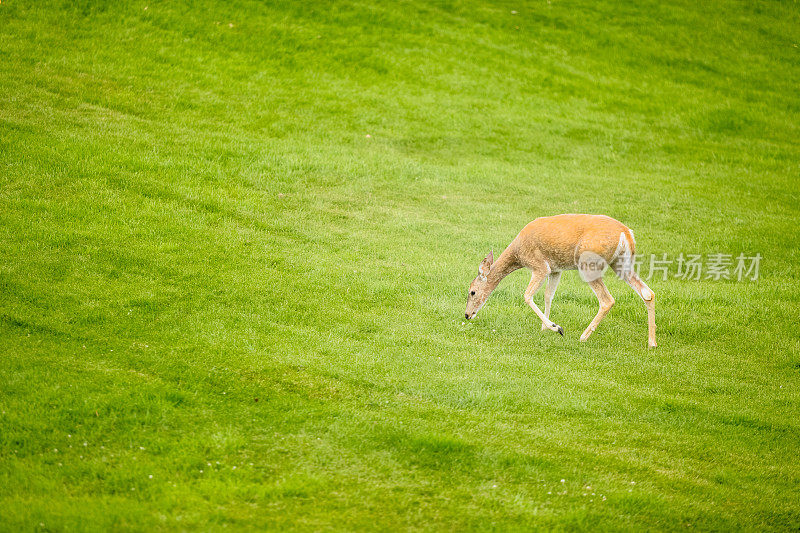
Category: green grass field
[237,239]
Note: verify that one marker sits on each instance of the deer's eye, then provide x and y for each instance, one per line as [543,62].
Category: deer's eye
[472,293]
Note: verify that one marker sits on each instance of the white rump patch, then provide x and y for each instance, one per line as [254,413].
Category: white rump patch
[622,246]
[623,258]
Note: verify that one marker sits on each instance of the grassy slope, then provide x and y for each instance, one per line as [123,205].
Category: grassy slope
[210,276]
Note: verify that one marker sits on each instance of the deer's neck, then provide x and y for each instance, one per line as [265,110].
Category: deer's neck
[505,265]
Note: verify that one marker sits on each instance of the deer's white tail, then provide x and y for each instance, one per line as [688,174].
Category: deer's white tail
[623,259]
[624,264]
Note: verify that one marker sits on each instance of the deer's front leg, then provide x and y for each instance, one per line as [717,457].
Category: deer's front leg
[536,281]
[549,292]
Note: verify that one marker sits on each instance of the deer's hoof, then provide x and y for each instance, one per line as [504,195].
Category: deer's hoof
[560,330]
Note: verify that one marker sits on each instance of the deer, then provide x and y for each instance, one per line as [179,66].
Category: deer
[550,245]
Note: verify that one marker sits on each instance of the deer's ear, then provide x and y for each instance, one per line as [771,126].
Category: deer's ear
[486,264]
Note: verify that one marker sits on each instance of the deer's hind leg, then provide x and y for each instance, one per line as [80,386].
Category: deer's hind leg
[649,299]
[624,269]
[549,292]
[605,300]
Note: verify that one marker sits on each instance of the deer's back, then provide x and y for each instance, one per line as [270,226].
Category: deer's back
[561,239]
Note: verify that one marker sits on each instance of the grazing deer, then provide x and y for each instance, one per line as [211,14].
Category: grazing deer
[549,245]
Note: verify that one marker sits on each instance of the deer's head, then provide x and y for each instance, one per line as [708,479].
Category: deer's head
[479,289]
